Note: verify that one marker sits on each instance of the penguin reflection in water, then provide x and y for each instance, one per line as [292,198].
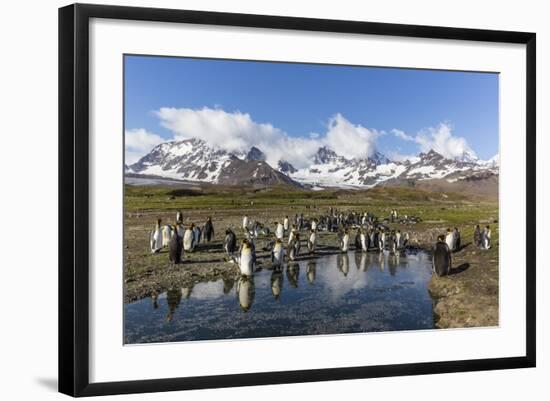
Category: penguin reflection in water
[246,291]
[361,261]
[173,299]
[441,261]
[293,273]
[276,283]
[342,260]
[311,270]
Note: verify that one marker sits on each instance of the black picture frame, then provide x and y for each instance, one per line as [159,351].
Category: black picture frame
[74,198]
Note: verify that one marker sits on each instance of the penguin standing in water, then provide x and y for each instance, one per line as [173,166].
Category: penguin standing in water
[392,245]
[441,262]
[246,291]
[344,243]
[293,250]
[230,242]
[155,238]
[246,261]
[278,253]
[311,242]
[280,230]
[189,239]
[450,239]
[175,248]
[357,241]
[477,236]
[208,230]
[382,240]
[398,239]
[364,241]
[373,239]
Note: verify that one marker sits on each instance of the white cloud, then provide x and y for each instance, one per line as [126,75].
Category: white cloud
[440,139]
[443,142]
[349,140]
[402,135]
[238,132]
[139,142]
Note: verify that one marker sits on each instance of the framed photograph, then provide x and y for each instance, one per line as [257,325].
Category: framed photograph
[251,199]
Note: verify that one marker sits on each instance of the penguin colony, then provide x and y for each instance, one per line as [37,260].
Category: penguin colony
[292,237]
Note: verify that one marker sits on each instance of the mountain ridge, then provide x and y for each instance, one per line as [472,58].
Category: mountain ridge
[195,160]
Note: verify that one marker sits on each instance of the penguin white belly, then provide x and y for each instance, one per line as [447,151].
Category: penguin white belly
[290,237]
[278,256]
[313,225]
[188,239]
[156,240]
[166,235]
[363,243]
[246,263]
[312,242]
[450,241]
[280,232]
[345,243]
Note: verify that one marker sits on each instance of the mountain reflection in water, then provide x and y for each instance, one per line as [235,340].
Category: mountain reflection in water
[343,293]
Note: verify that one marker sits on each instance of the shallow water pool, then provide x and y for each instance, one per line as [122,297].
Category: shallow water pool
[344,293]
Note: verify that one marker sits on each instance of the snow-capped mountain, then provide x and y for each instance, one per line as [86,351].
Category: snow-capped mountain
[195,160]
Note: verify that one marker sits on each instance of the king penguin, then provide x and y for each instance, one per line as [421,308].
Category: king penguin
[278,253]
[189,239]
[441,261]
[175,247]
[311,242]
[155,238]
[246,261]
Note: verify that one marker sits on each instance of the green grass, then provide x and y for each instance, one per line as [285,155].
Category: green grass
[377,199]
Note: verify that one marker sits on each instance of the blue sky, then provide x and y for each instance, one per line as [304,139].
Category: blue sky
[395,111]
